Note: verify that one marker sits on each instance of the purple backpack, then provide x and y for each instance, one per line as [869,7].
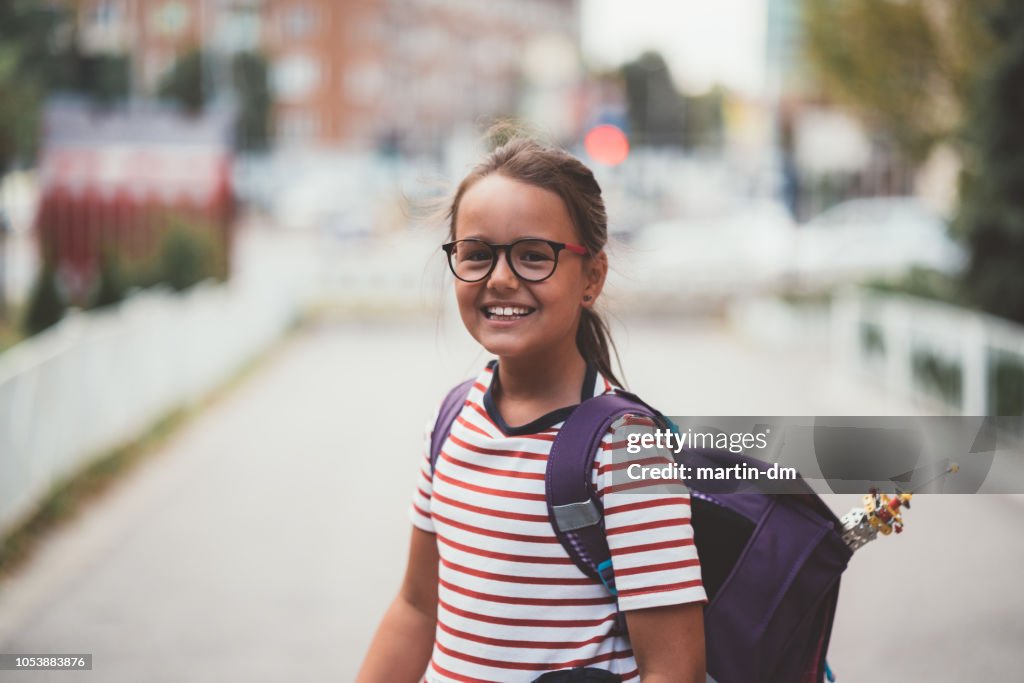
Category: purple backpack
[770,564]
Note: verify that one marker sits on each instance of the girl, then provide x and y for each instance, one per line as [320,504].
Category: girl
[489,593]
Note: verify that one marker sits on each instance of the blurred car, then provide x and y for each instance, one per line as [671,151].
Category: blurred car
[880,236]
[744,249]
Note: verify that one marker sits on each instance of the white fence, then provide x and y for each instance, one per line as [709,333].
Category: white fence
[99,379]
[970,362]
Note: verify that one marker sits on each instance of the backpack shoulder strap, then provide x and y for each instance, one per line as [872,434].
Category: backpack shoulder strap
[450,409]
[573,507]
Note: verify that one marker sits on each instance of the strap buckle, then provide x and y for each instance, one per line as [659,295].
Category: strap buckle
[607,576]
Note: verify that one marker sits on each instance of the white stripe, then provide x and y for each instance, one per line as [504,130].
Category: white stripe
[516,594]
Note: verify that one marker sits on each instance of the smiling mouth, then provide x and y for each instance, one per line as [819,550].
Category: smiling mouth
[506,313]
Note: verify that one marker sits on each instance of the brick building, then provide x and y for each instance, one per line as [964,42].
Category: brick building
[346,73]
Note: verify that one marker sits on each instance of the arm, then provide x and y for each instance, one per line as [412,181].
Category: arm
[668,643]
[401,648]
[657,569]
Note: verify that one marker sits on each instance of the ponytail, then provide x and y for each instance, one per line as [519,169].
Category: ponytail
[594,341]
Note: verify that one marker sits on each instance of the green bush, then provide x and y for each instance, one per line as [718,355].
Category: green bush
[112,282]
[46,305]
[1006,384]
[924,283]
[871,340]
[187,255]
[938,376]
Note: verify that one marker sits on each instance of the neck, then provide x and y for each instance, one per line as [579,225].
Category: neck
[555,376]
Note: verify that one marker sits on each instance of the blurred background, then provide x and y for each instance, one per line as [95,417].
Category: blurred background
[219,231]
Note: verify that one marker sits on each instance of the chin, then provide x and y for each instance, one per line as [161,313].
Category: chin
[504,348]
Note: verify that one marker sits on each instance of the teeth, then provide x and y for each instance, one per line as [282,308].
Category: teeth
[507,311]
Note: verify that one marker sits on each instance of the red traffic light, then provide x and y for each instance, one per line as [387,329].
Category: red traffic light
[606,144]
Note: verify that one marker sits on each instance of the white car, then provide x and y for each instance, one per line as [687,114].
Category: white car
[880,236]
[747,248]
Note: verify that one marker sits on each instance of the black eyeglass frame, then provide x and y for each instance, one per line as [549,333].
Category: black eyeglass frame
[557,247]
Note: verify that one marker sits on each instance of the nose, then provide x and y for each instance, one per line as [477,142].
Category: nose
[502,276]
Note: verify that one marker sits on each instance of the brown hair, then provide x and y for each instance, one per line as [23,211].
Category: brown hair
[557,171]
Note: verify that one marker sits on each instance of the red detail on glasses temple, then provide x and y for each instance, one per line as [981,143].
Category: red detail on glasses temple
[576,249]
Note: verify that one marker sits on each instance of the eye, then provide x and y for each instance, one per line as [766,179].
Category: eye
[475,253]
[534,255]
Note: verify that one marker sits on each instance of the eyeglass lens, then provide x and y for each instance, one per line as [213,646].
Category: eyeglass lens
[473,260]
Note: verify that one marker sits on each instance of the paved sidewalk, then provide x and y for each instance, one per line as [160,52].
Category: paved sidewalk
[265,540]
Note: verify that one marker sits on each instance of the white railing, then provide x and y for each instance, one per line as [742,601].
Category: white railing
[932,351]
[100,379]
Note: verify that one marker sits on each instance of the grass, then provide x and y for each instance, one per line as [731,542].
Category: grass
[69,497]
[10,330]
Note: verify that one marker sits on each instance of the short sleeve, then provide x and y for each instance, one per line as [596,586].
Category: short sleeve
[419,510]
[654,558]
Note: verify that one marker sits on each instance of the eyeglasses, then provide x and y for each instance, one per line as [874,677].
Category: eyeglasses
[531,259]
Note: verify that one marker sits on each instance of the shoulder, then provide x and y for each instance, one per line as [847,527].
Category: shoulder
[468,389]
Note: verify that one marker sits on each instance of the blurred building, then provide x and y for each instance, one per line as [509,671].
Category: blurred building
[824,153]
[348,73]
[785,73]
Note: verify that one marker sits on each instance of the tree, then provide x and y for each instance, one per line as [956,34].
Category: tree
[105,79]
[249,71]
[111,288]
[703,124]
[29,66]
[185,83]
[46,304]
[991,214]
[905,66]
[656,109]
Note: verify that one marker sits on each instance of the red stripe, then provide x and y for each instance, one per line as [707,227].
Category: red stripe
[624,465]
[645,504]
[479,387]
[659,589]
[533,666]
[472,427]
[519,600]
[483,414]
[458,677]
[490,512]
[637,421]
[491,533]
[543,623]
[529,559]
[644,526]
[511,578]
[628,550]
[648,483]
[525,644]
[421,510]
[539,476]
[547,435]
[665,566]
[497,451]
[501,493]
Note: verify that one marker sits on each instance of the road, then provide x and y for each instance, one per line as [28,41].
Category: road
[265,539]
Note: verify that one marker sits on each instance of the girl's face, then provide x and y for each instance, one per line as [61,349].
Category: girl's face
[499,210]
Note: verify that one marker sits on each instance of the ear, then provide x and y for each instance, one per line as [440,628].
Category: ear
[594,271]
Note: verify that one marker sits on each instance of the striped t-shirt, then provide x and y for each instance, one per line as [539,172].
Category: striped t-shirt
[511,604]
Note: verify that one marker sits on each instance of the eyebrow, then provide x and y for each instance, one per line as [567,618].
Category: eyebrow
[478,236]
